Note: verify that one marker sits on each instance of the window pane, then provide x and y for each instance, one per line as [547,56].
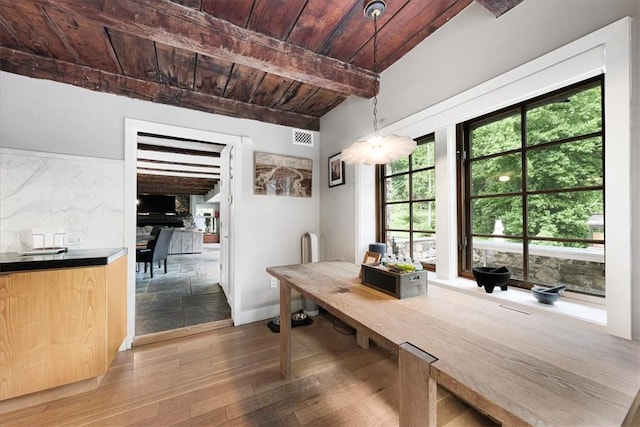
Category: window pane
[424,184]
[398,243]
[501,134]
[580,270]
[424,216]
[572,164]
[493,253]
[398,216]
[424,247]
[397,188]
[565,116]
[497,175]
[497,215]
[423,156]
[561,140]
[397,166]
[563,215]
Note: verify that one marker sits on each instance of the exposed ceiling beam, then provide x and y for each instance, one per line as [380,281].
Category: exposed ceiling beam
[26,64]
[498,7]
[158,184]
[182,27]
[178,158]
[178,174]
[182,145]
[177,168]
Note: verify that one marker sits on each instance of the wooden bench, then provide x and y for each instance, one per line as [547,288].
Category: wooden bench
[520,368]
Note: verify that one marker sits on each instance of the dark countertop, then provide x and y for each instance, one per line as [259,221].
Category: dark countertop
[13,261]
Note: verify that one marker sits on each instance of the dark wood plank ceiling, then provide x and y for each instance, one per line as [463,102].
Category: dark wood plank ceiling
[287,62]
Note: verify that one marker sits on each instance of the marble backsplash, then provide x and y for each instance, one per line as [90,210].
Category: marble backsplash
[84,196]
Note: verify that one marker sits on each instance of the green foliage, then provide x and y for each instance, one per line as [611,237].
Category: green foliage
[549,167]
[423,185]
[567,166]
[497,136]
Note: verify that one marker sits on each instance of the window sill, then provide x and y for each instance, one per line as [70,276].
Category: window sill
[567,307]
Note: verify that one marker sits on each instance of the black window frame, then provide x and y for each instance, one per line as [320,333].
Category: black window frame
[464,197]
[381,202]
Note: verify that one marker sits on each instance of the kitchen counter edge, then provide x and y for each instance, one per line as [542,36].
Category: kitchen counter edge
[11,262]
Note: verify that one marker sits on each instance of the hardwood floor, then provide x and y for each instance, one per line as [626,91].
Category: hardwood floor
[231,377]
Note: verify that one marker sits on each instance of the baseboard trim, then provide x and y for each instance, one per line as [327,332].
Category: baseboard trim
[180,332]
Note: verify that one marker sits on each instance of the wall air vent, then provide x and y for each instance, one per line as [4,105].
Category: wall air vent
[303,137]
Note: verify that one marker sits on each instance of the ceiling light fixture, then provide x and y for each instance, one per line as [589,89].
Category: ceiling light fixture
[377,149]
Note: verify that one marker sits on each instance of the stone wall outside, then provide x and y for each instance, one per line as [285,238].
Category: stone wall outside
[581,270]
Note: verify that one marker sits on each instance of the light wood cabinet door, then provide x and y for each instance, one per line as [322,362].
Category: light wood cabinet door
[55,328]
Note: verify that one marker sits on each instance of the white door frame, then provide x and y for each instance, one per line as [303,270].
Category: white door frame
[131,129]
[226,208]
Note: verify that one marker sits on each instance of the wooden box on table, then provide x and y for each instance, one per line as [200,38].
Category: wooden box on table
[405,285]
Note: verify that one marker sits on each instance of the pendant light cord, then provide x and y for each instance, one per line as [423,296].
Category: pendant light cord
[376,77]
[377,150]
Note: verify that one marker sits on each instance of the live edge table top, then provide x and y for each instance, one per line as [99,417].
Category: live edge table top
[518,367]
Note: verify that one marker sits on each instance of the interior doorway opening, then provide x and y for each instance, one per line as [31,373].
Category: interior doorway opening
[177,184]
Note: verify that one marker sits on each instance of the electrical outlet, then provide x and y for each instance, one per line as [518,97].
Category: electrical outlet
[274,283]
[74,239]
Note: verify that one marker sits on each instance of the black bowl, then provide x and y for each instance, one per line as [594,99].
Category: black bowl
[545,297]
[490,277]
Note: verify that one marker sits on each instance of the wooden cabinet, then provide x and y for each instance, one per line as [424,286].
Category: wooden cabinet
[60,326]
[210,238]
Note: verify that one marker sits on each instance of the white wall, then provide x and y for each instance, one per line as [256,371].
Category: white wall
[50,117]
[269,228]
[470,50]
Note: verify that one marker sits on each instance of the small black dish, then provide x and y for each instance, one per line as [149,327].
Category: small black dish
[545,295]
[490,277]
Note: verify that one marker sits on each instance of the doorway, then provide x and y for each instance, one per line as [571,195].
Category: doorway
[188,298]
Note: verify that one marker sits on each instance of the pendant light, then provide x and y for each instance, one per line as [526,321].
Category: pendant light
[377,149]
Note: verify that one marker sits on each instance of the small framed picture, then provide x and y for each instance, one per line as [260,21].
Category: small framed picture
[336,170]
[370,258]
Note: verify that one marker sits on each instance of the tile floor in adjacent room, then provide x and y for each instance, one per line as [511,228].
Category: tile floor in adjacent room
[189,294]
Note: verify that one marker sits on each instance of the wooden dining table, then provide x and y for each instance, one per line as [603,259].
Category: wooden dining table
[519,367]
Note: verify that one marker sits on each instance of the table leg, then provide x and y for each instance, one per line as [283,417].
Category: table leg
[285,329]
[418,391]
[362,339]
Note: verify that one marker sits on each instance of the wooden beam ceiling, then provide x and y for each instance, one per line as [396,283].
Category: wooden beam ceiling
[175,186]
[183,27]
[36,66]
[285,62]
[175,166]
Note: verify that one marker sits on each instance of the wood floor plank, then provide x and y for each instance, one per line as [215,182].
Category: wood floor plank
[352,392]
[221,400]
[231,377]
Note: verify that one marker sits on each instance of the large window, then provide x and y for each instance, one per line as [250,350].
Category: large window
[531,182]
[407,193]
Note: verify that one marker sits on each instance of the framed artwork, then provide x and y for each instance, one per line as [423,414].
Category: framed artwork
[336,170]
[278,175]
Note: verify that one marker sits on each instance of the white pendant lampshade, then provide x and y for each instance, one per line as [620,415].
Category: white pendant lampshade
[377,149]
